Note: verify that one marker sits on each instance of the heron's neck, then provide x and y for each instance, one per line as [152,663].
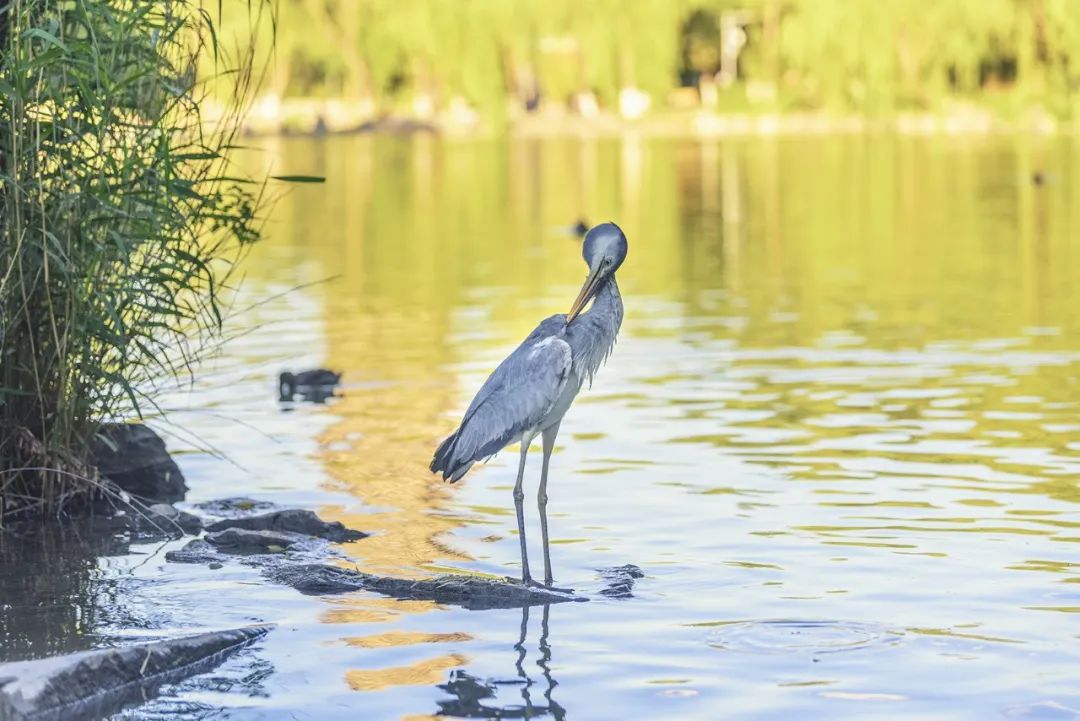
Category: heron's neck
[592,335]
[607,306]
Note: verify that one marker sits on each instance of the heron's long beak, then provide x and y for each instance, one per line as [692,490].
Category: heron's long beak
[592,284]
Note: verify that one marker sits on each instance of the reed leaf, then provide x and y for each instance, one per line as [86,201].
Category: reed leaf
[121,222]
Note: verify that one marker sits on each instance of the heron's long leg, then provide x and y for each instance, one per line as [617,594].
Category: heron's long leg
[519,497]
[542,499]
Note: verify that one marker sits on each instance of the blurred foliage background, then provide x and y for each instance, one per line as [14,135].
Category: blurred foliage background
[499,59]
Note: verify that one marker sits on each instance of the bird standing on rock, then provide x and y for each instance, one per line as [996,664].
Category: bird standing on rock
[530,391]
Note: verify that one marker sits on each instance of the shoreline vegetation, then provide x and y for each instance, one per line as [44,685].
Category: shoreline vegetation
[121,226]
[674,67]
[313,117]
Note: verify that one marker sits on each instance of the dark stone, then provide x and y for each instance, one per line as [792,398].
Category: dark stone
[134,458]
[619,581]
[95,684]
[242,541]
[292,521]
[161,521]
[197,551]
[470,592]
[188,522]
[316,579]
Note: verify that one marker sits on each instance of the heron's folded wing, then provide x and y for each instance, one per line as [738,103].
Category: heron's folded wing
[515,398]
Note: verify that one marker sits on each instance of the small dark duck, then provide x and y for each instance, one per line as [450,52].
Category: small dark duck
[313,385]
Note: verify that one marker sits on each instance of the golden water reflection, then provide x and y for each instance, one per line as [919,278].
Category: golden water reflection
[852,249]
[876,339]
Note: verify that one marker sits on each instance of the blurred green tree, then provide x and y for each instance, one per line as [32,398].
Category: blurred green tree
[869,56]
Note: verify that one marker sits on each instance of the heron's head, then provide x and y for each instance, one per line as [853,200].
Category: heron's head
[604,250]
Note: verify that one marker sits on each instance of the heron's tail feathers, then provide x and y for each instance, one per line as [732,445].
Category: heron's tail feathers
[443,461]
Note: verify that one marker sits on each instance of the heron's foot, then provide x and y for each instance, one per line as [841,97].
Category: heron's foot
[548,587]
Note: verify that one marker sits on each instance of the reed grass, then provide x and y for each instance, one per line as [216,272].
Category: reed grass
[122,221]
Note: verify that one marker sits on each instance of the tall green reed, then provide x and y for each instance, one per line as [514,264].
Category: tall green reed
[122,221]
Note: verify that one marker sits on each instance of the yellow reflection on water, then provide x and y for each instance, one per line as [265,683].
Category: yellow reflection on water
[428,672]
[874,276]
[889,327]
[371,609]
[404,638]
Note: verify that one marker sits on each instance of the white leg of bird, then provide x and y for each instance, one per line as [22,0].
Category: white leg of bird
[519,498]
[541,498]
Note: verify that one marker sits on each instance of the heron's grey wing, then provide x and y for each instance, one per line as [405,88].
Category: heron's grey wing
[553,326]
[515,398]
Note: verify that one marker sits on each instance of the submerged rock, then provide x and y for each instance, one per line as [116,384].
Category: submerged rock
[133,457]
[619,580]
[290,547]
[160,520]
[98,683]
[186,522]
[235,507]
[137,523]
[293,521]
[242,541]
[472,592]
[265,539]
[197,551]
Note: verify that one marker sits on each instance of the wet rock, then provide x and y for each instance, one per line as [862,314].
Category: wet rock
[98,683]
[292,521]
[160,520]
[317,579]
[470,592]
[619,580]
[187,522]
[234,507]
[197,551]
[134,458]
[243,541]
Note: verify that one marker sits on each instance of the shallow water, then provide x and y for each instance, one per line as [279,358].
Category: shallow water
[840,433]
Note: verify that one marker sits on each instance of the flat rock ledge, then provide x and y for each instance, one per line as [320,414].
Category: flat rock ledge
[471,592]
[96,684]
[291,547]
[158,521]
[240,541]
[291,521]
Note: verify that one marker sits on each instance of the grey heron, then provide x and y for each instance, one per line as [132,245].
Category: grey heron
[530,391]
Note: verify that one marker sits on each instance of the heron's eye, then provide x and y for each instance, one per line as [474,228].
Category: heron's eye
[607,261]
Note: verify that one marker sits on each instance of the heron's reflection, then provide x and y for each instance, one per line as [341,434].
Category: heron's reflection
[470,692]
